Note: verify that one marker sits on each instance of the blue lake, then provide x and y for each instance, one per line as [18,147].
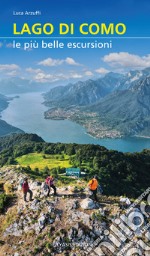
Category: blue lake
[27,113]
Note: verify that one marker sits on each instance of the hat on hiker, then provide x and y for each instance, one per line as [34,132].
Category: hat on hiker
[95,177]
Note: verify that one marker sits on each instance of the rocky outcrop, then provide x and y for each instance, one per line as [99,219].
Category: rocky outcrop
[63,225]
[88,204]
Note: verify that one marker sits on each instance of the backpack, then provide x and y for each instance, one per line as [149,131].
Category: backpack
[21,182]
[100,189]
[49,181]
[92,182]
[45,187]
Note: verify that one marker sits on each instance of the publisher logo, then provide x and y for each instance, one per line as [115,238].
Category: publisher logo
[128,234]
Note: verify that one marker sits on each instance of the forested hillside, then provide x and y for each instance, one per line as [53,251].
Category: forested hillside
[119,173]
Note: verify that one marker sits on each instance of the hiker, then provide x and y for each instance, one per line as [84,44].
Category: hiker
[45,188]
[25,188]
[93,185]
[50,184]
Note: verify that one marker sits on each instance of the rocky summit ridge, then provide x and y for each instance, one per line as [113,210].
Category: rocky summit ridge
[67,224]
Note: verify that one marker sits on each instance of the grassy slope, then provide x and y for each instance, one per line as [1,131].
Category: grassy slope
[42,160]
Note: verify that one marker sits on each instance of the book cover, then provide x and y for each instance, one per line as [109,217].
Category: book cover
[74,103]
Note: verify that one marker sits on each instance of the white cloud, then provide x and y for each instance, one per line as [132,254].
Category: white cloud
[9,67]
[43,77]
[127,60]
[74,75]
[71,61]
[12,73]
[33,71]
[88,73]
[49,62]
[102,71]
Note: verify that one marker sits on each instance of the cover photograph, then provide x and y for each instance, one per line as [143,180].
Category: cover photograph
[74,128]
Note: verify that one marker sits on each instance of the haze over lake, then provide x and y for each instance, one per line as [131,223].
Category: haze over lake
[27,113]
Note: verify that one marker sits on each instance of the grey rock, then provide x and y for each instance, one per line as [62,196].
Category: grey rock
[16,254]
[58,217]
[75,204]
[76,216]
[80,233]
[37,228]
[51,221]
[72,233]
[87,204]
[42,220]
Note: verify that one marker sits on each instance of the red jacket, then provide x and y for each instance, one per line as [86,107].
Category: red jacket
[49,181]
[25,187]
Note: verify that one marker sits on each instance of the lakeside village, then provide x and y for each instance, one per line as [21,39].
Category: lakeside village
[89,120]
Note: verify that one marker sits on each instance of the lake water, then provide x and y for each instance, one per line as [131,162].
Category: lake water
[27,113]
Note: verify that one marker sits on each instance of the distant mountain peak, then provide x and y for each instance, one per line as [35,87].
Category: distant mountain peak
[119,102]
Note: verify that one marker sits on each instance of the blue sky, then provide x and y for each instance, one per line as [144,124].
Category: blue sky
[65,65]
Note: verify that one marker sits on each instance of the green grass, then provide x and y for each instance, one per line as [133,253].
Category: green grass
[38,160]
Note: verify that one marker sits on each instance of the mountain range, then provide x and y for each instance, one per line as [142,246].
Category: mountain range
[120,102]
[15,85]
[127,110]
[83,92]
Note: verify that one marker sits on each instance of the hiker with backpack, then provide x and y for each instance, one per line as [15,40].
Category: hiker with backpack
[93,185]
[50,184]
[25,189]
